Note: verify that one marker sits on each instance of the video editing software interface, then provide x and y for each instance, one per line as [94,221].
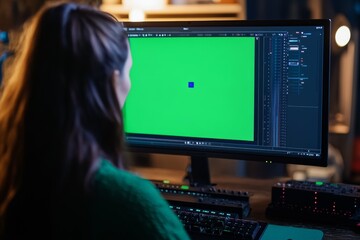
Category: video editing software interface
[247,90]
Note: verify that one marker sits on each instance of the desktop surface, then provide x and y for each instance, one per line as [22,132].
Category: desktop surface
[260,197]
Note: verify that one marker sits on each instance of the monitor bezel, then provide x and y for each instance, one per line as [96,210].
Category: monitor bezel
[267,158]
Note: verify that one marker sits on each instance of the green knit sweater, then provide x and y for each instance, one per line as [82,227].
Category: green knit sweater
[126,206]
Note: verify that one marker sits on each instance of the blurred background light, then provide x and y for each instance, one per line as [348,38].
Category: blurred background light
[342,36]
[136,15]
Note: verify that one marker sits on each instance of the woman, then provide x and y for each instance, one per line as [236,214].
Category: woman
[61,136]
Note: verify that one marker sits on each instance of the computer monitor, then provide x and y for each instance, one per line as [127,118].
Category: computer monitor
[248,90]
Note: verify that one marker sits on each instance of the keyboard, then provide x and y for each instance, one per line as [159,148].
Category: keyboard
[210,224]
[215,213]
[317,202]
[235,203]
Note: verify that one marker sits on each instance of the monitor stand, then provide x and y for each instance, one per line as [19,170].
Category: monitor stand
[198,173]
[198,176]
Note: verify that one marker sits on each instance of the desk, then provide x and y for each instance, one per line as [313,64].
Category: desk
[260,195]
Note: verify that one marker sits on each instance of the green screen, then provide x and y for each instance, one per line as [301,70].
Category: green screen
[192,87]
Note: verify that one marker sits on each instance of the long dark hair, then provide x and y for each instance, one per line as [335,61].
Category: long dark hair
[59,110]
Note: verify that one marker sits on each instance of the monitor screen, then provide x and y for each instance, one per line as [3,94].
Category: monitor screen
[249,90]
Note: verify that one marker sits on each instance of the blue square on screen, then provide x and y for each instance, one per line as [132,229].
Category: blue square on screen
[191,84]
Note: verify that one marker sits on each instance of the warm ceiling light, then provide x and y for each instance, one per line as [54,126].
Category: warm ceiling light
[342,36]
[145,4]
[136,15]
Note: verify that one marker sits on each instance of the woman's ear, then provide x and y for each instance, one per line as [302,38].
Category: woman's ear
[121,87]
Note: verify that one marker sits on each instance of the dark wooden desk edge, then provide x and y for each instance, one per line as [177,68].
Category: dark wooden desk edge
[260,195]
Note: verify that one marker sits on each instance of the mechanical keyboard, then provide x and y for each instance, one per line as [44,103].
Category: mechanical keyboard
[214,213]
[319,202]
[235,203]
[213,224]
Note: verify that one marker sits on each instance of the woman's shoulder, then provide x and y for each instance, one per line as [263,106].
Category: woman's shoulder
[110,178]
[113,186]
[122,198]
